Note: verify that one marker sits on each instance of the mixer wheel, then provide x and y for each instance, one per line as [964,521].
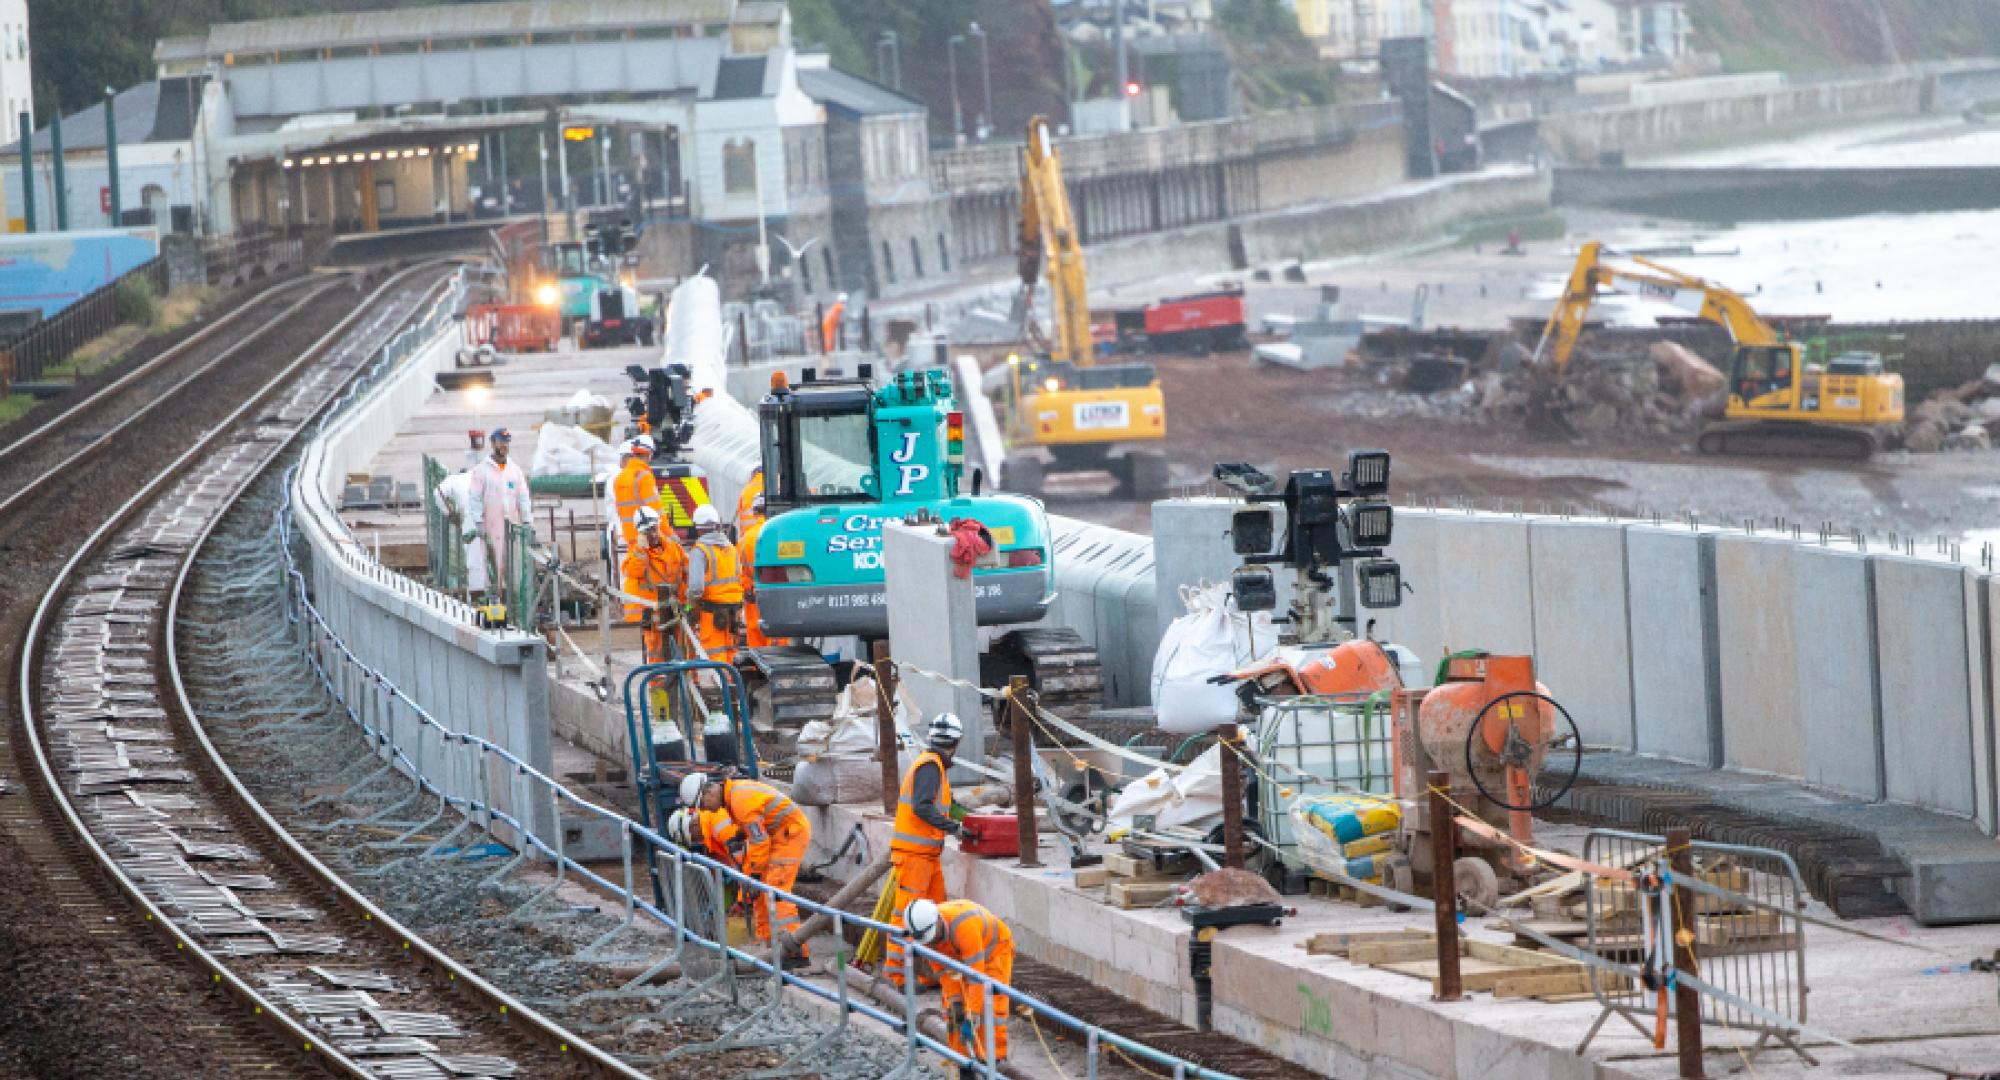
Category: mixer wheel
[1476,883]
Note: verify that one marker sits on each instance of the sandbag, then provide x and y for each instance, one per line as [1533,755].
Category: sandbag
[567,450]
[1191,798]
[832,779]
[1211,639]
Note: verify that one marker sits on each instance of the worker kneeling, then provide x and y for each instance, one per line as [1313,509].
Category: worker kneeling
[775,835]
[916,840]
[975,937]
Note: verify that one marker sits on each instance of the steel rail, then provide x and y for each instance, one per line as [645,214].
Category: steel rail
[136,415]
[146,367]
[261,1009]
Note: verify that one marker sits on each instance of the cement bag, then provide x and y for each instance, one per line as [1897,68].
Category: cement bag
[1350,819]
[564,450]
[1210,640]
[1193,797]
[829,780]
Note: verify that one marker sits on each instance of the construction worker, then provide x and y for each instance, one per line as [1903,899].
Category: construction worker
[829,327]
[746,546]
[975,937]
[775,835]
[700,830]
[916,840]
[750,504]
[715,585]
[655,569]
[496,498]
[634,486]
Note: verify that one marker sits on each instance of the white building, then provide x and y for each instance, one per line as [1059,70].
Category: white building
[1504,39]
[1353,29]
[1653,29]
[17,83]
[157,172]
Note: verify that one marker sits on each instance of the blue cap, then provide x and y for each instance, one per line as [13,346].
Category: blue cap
[501,434]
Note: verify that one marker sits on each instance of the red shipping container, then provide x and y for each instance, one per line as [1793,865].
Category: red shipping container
[991,836]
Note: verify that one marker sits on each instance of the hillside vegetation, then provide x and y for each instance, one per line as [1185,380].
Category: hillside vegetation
[1817,35]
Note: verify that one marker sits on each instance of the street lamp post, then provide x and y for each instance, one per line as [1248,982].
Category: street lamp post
[951,62]
[984,128]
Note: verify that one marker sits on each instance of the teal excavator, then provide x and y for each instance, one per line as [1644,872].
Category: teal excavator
[841,456]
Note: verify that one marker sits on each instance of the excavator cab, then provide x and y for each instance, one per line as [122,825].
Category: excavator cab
[1762,377]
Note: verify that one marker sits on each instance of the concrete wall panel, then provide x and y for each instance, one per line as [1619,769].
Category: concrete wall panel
[1757,648]
[1483,580]
[1927,673]
[1418,623]
[1839,692]
[1583,645]
[1673,707]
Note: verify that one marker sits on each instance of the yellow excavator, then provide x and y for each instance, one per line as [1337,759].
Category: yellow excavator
[1060,398]
[1777,405]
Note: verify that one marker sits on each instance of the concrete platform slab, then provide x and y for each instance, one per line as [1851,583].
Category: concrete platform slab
[1344,1020]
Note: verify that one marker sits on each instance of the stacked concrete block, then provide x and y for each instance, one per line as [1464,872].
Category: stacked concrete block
[1669,585]
[1932,673]
[1834,671]
[1583,644]
[1757,647]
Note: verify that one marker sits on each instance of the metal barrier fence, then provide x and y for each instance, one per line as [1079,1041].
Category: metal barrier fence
[479,779]
[55,338]
[517,584]
[444,545]
[1749,940]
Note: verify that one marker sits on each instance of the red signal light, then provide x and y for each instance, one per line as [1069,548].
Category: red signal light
[1132,88]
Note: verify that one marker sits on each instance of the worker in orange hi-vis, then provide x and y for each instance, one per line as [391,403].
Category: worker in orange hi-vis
[746,547]
[829,327]
[775,835]
[975,937]
[634,486]
[749,505]
[655,570]
[916,839]
[715,585]
[700,831]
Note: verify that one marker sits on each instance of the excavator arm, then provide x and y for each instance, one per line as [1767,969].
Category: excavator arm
[1718,305]
[1047,228]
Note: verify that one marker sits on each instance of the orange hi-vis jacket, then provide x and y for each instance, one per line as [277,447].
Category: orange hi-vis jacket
[723,583]
[713,822]
[746,501]
[648,570]
[631,489]
[910,832]
[759,813]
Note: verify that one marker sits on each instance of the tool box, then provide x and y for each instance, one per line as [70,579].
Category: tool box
[991,836]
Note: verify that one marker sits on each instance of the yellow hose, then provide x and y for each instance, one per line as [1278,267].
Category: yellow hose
[872,946]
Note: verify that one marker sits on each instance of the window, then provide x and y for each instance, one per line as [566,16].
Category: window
[806,275]
[916,259]
[888,263]
[739,167]
[385,196]
[832,278]
[944,256]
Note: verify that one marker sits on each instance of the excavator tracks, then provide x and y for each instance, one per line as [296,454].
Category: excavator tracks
[1063,668]
[1770,438]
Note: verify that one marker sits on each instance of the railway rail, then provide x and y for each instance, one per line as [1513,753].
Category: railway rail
[303,975]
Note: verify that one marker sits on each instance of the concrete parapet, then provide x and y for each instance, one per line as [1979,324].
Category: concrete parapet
[1105,591]
[1482,576]
[1757,651]
[1583,643]
[1669,574]
[1933,685]
[1418,623]
[491,684]
[1838,686]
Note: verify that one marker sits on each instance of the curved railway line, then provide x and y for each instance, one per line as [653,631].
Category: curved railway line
[164,923]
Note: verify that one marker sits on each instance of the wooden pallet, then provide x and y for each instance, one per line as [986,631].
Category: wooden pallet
[1337,944]
[1504,970]
[1129,894]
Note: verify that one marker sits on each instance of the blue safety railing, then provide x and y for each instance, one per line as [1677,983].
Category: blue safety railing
[463,765]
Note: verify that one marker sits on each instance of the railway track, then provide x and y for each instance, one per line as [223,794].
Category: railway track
[119,810]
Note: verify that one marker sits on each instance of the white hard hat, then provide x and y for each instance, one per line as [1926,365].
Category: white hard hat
[707,514]
[922,919]
[946,730]
[646,518]
[691,788]
[677,827]
[843,298]
[640,446]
